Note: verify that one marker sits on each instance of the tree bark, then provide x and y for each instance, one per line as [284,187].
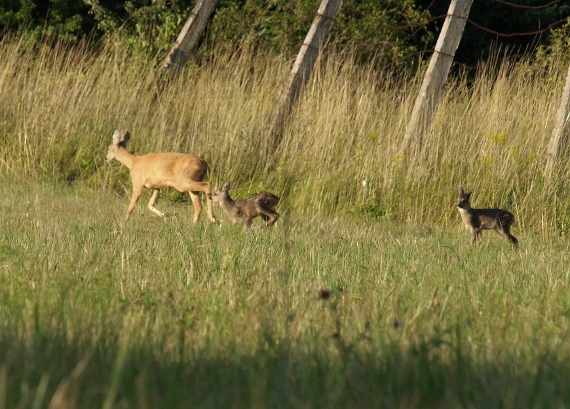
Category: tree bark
[189,35]
[559,139]
[435,76]
[301,72]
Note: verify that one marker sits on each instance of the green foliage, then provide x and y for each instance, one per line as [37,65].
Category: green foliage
[370,210]
[270,25]
[390,30]
[148,26]
[387,29]
[556,52]
[492,35]
[49,20]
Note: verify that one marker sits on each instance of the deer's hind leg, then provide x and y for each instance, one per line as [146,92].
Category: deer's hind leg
[194,188]
[505,231]
[195,197]
[270,216]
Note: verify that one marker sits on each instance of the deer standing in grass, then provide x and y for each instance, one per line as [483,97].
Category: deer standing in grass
[247,209]
[156,171]
[477,220]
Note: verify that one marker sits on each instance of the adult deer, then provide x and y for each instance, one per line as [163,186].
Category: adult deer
[156,171]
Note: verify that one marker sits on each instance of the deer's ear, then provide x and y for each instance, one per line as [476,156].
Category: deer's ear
[468,193]
[116,137]
[461,192]
[126,136]
[227,185]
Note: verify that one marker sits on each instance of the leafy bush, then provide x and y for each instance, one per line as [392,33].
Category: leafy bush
[386,28]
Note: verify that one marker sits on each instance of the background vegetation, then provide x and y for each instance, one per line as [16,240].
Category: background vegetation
[62,104]
[395,32]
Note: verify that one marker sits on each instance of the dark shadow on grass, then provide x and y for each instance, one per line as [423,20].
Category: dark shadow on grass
[279,375]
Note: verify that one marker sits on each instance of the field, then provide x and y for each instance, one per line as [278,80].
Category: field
[361,296]
[160,313]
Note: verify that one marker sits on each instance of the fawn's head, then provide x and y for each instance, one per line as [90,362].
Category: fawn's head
[119,140]
[222,193]
[463,200]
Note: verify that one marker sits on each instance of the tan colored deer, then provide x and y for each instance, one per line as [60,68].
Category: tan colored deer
[477,220]
[156,171]
[247,209]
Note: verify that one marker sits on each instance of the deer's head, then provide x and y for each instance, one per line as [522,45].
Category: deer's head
[119,140]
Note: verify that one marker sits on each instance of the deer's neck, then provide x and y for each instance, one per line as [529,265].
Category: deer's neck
[125,157]
[466,216]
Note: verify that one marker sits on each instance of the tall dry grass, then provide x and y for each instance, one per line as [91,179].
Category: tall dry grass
[61,104]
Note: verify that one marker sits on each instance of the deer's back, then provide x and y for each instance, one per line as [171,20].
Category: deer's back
[263,200]
[155,168]
[490,218]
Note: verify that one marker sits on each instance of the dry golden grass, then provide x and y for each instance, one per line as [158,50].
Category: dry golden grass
[61,105]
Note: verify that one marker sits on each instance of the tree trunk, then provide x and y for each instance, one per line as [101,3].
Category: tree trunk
[559,138]
[301,72]
[435,76]
[189,35]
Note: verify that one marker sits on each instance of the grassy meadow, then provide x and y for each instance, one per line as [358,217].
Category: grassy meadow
[97,312]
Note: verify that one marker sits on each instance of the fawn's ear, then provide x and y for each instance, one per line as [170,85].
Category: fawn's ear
[461,192]
[227,185]
[469,192]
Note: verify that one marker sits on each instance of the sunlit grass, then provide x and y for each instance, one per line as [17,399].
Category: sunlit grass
[169,313]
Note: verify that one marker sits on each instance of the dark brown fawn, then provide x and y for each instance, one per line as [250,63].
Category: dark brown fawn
[247,209]
[155,171]
[477,220]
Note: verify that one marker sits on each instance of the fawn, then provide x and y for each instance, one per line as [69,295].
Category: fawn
[478,220]
[155,171]
[247,209]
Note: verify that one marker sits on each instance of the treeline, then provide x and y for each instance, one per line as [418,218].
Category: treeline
[394,32]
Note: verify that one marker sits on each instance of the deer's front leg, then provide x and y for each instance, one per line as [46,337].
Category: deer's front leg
[151,203]
[136,194]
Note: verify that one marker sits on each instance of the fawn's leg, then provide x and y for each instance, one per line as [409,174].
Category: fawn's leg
[151,203]
[247,221]
[476,233]
[270,216]
[505,231]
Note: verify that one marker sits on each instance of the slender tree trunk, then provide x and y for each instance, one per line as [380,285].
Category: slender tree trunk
[301,72]
[559,139]
[189,35]
[435,76]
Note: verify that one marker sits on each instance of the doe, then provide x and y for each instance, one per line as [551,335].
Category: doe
[477,220]
[156,171]
[247,209]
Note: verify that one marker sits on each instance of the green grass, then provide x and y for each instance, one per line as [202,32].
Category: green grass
[162,313]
